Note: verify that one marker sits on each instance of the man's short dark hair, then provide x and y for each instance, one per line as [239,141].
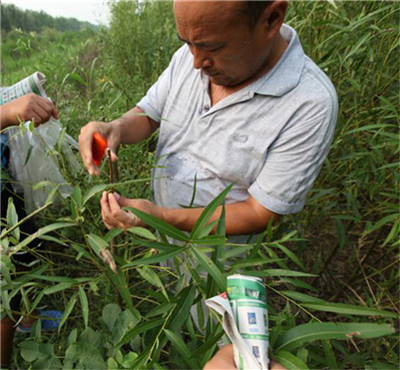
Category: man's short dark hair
[250,11]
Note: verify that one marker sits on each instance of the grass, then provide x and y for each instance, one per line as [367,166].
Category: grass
[347,235]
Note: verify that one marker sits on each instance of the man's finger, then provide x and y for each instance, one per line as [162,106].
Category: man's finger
[106,212]
[49,106]
[41,113]
[54,113]
[105,206]
[34,117]
[85,148]
[127,219]
[109,218]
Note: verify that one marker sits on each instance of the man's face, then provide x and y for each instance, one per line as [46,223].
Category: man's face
[225,49]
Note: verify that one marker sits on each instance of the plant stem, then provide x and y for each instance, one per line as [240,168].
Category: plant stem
[34,213]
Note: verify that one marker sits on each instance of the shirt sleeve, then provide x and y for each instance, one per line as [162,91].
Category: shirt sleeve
[154,101]
[294,160]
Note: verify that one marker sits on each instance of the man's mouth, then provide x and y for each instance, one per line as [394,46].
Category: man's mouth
[210,74]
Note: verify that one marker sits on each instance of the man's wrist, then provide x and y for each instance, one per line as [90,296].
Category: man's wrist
[6,117]
[161,213]
[117,127]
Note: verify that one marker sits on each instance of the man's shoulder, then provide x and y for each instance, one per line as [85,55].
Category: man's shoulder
[315,85]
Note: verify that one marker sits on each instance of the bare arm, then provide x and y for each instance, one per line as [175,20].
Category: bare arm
[240,218]
[133,127]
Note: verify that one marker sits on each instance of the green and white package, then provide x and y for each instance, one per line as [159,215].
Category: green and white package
[245,320]
[247,296]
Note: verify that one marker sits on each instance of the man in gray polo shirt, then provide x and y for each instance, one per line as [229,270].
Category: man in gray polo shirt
[240,102]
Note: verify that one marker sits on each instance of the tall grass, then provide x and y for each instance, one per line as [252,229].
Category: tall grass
[347,235]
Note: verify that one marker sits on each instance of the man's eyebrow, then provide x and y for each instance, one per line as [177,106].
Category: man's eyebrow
[199,44]
[180,38]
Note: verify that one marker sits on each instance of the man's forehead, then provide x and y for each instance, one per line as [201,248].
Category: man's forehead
[204,10]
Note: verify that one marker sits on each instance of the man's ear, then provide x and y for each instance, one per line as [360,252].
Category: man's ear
[274,16]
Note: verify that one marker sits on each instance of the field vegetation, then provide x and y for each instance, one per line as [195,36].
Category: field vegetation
[331,271]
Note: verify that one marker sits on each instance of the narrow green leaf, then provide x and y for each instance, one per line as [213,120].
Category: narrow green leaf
[76,196]
[279,272]
[194,192]
[54,279]
[159,225]
[182,309]
[347,309]
[383,221]
[181,347]
[111,234]
[40,232]
[52,193]
[42,184]
[330,357]
[141,328]
[28,155]
[53,239]
[93,191]
[68,310]
[84,305]
[144,233]
[12,217]
[291,255]
[299,284]
[207,213]
[96,242]
[289,361]
[210,240]
[156,258]
[311,332]
[78,78]
[159,310]
[151,276]
[56,288]
[301,297]
[207,230]
[210,267]
[210,342]
[121,285]
[237,250]
[375,126]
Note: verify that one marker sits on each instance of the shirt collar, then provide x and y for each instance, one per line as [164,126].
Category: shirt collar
[285,75]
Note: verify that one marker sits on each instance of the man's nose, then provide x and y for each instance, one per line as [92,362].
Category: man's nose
[200,59]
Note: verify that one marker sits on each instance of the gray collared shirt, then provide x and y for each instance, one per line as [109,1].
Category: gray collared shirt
[270,138]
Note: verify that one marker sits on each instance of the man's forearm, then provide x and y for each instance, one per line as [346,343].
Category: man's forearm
[240,218]
[134,126]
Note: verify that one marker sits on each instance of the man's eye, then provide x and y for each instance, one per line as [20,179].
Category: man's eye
[215,49]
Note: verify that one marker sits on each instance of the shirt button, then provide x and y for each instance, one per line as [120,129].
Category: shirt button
[206,108]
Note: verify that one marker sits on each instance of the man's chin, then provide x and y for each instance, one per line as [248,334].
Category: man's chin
[220,80]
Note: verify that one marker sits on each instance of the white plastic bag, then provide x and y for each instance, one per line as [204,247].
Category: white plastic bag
[35,158]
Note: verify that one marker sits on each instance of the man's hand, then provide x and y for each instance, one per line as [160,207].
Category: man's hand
[133,127]
[224,360]
[115,217]
[30,107]
[109,131]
